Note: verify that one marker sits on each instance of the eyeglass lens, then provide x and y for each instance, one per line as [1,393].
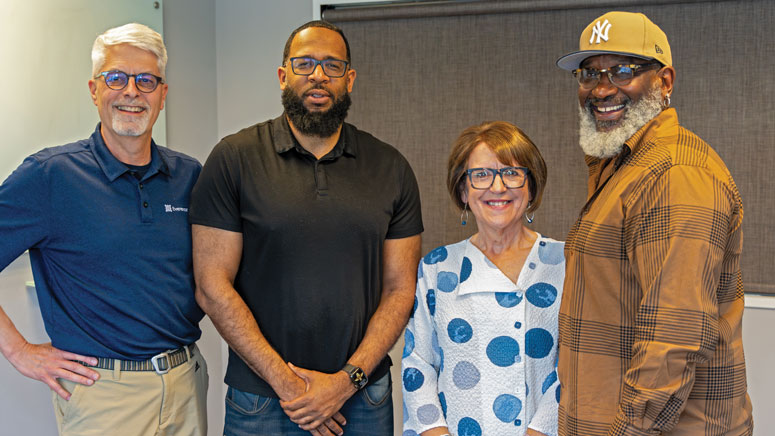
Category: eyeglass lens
[306,66]
[483,178]
[619,75]
[117,80]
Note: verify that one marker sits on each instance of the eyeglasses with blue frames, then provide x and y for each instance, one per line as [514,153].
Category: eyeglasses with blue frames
[117,80]
[511,177]
[619,75]
[304,66]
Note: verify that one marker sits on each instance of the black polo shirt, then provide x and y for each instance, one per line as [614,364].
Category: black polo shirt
[313,232]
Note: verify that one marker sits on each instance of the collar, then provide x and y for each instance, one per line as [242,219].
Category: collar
[486,277]
[113,168]
[284,140]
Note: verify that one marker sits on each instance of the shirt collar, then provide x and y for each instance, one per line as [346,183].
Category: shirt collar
[113,168]
[484,275]
[284,140]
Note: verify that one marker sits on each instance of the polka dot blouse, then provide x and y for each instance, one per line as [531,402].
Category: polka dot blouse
[480,352]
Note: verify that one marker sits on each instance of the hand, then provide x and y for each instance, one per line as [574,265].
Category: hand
[45,363]
[320,404]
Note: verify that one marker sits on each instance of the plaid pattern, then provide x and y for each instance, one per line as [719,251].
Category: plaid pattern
[651,316]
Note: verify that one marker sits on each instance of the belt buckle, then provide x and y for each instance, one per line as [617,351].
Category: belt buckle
[155,362]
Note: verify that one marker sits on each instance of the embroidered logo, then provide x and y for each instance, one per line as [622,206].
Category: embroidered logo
[601,31]
[657,49]
[170,208]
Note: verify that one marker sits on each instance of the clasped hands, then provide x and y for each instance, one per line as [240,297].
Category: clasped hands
[315,407]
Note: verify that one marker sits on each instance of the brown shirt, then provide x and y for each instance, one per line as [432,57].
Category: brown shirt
[651,317]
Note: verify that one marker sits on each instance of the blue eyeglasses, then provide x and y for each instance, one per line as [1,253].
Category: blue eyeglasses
[117,80]
[511,177]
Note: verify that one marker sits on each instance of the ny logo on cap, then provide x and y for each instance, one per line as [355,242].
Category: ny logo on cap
[601,30]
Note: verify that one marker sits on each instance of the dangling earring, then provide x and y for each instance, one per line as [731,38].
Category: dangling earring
[464,215]
[530,217]
[667,101]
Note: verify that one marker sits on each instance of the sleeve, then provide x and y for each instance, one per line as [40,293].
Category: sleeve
[215,199]
[545,417]
[675,235]
[423,407]
[407,214]
[24,210]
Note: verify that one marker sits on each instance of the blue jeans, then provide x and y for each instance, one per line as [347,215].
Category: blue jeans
[368,413]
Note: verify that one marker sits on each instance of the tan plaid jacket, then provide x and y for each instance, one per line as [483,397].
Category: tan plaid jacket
[650,336]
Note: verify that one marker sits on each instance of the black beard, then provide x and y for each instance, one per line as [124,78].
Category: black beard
[320,124]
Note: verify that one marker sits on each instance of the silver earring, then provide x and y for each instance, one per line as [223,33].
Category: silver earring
[464,215]
[667,101]
[530,217]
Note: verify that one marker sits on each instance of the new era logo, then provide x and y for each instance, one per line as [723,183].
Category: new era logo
[657,49]
[600,31]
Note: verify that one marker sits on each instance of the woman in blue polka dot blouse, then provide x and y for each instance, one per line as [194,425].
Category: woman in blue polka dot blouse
[481,346]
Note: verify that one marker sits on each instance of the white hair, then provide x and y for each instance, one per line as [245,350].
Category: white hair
[135,34]
[608,143]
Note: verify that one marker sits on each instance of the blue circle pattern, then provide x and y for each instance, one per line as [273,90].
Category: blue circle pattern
[465,375]
[508,299]
[468,427]
[439,254]
[414,308]
[443,402]
[408,343]
[541,294]
[549,381]
[413,379]
[459,331]
[428,414]
[410,433]
[558,393]
[538,343]
[503,351]
[465,269]
[507,407]
[446,281]
[406,411]
[551,253]
[430,299]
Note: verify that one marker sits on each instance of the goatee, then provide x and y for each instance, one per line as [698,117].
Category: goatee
[608,143]
[321,124]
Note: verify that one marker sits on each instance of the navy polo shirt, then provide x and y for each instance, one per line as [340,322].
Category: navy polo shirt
[313,231]
[111,254]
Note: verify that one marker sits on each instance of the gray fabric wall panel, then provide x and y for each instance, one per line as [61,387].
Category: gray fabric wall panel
[421,81]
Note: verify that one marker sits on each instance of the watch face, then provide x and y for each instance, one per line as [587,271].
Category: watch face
[357,376]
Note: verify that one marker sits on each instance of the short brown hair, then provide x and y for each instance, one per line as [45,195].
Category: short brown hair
[510,144]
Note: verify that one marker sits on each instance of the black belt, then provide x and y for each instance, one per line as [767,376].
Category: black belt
[160,363]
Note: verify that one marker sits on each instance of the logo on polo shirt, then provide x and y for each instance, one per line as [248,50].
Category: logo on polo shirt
[170,208]
[601,31]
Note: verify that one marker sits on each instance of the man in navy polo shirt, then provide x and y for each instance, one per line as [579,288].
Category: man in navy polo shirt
[306,243]
[105,220]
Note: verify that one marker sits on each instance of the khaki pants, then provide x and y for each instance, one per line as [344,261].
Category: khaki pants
[137,403]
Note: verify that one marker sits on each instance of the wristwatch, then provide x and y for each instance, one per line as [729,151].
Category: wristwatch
[357,376]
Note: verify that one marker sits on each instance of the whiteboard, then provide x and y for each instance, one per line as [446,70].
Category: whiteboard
[45,64]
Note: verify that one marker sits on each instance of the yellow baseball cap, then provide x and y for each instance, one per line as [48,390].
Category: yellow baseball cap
[621,33]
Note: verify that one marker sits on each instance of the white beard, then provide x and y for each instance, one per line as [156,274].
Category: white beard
[126,125]
[608,143]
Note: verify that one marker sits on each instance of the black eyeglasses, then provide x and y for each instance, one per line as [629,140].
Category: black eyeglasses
[117,80]
[619,75]
[306,66]
[511,177]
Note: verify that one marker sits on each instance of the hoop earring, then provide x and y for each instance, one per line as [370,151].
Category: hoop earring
[666,102]
[529,218]
[464,215]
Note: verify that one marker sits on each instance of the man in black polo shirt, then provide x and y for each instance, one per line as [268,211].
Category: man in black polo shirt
[306,242]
